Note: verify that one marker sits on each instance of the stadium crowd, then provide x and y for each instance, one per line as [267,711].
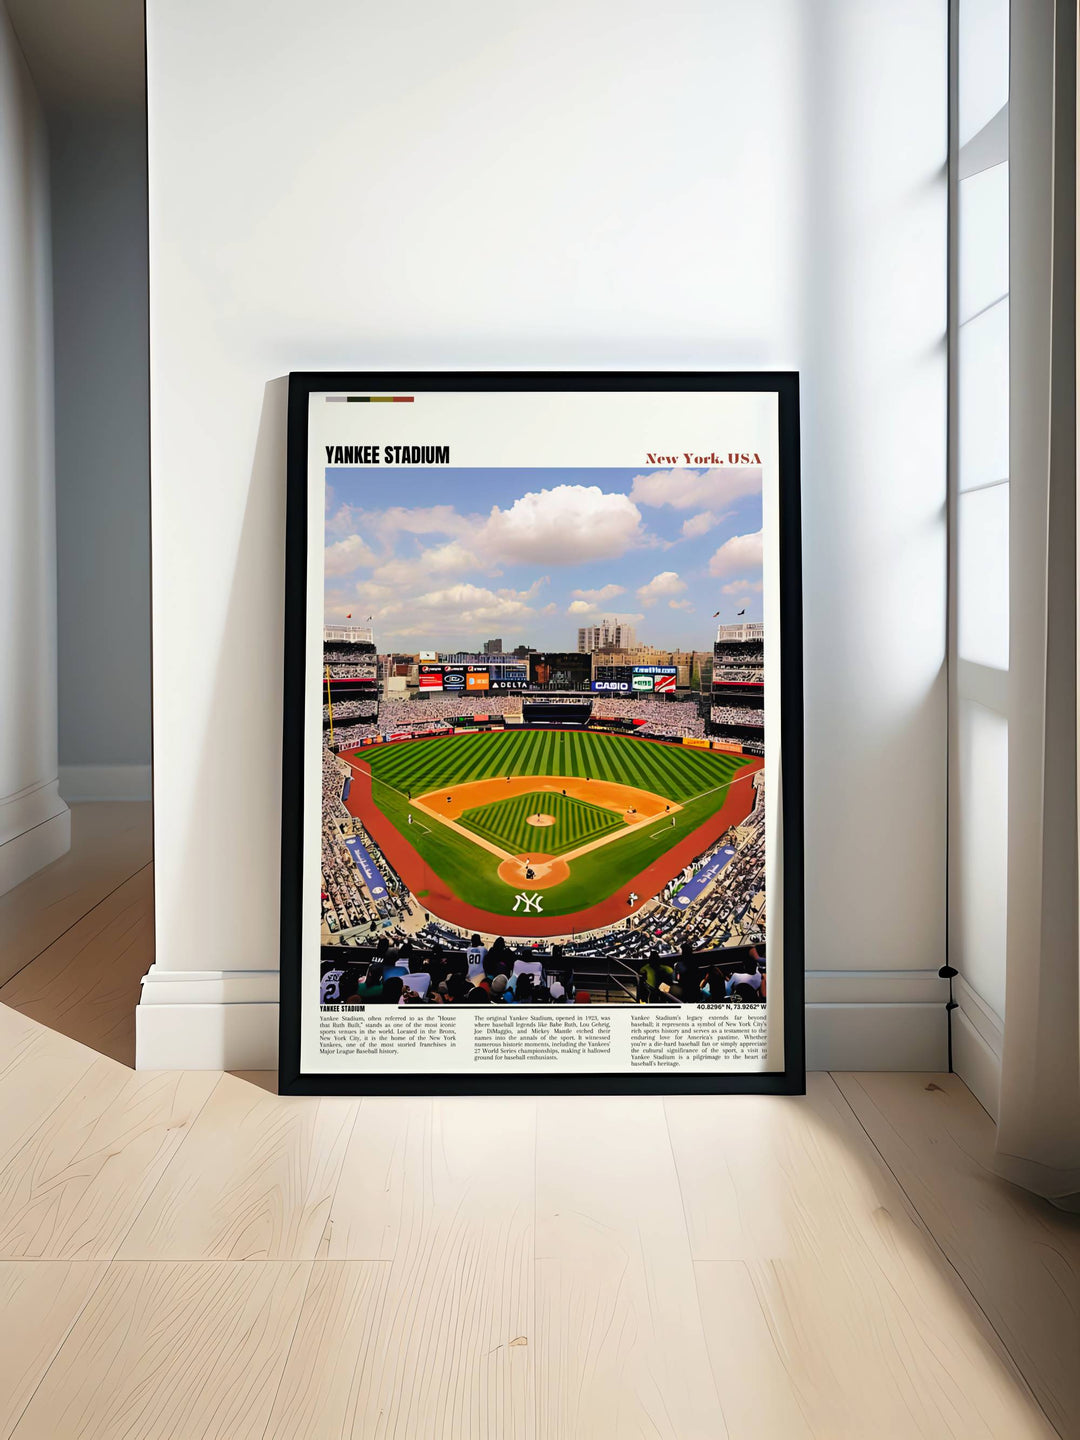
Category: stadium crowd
[346,737]
[733,674]
[356,670]
[738,652]
[353,710]
[346,904]
[736,715]
[667,718]
[400,971]
[429,707]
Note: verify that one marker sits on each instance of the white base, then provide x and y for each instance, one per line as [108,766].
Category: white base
[228,1020]
[977,1044]
[35,830]
[79,783]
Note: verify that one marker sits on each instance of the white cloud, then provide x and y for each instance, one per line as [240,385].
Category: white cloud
[566,525]
[345,556]
[743,587]
[666,583]
[582,607]
[424,520]
[551,609]
[699,524]
[741,552]
[712,489]
[461,607]
[680,605]
[440,560]
[598,597]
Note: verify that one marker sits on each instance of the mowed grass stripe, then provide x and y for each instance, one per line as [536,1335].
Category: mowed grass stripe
[506,822]
[677,773]
[694,778]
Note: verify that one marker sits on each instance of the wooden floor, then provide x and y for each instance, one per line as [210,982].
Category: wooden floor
[188,1255]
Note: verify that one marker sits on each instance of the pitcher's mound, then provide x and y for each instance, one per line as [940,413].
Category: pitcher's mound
[540,819]
[547,870]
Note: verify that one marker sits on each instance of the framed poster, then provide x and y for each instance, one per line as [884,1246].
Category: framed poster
[542,779]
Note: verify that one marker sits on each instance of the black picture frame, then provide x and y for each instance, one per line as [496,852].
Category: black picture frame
[791,1080]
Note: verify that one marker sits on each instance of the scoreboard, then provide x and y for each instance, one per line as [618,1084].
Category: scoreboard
[635,679]
[471,678]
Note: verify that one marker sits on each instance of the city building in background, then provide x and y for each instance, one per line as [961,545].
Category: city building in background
[607,634]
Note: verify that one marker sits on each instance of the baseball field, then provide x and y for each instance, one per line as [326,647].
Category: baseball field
[565,825]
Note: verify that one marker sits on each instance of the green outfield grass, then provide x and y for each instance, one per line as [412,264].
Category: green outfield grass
[506,822]
[695,779]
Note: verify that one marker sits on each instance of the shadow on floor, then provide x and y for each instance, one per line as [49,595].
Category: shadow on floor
[78,936]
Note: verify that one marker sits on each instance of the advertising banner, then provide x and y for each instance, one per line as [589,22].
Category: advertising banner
[426,655]
[665,684]
[643,682]
[453,679]
[613,678]
[693,889]
[430,678]
[368,869]
[511,680]
[478,680]
[695,743]
[732,747]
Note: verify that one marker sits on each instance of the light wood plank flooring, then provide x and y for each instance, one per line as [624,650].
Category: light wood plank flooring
[187,1255]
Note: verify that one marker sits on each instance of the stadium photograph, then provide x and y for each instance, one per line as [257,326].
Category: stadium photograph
[587,781]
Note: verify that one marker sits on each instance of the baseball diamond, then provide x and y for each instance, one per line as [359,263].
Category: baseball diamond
[634,812]
[512,823]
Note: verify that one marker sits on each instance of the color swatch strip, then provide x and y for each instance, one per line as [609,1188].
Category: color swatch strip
[371,399]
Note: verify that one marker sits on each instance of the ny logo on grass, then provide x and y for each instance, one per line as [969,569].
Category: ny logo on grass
[531,902]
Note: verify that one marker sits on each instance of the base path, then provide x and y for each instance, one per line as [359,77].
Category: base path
[441,900]
[454,800]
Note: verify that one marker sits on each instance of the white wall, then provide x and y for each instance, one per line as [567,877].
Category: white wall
[98,163]
[743,183]
[34,821]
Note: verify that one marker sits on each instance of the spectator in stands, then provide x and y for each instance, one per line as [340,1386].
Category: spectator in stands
[436,966]
[654,978]
[370,991]
[475,953]
[715,984]
[498,986]
[687,975]
[457,987]
[751,977]
[523,989]
[498,960]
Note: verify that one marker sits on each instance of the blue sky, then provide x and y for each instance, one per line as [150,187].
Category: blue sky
[448,558]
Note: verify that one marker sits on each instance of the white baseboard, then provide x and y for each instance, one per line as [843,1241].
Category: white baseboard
[35,830]
[79,783]
[876,1037]
[977,1043]
[206,1037]
[228,1020]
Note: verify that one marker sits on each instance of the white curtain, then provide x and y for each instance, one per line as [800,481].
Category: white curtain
[1038,1139]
